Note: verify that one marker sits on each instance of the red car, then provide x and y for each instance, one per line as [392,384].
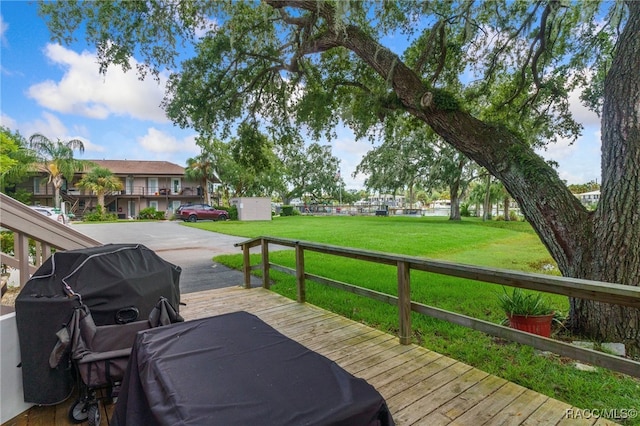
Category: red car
[195,212]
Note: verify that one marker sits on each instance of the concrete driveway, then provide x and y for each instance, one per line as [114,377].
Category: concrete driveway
[191,249]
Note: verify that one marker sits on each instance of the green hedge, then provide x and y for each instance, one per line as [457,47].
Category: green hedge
[151,213]
[287,211]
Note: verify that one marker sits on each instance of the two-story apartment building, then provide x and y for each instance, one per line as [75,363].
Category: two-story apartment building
[589,198]
[158,184]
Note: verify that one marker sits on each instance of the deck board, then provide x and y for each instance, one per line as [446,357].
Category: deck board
[421,387]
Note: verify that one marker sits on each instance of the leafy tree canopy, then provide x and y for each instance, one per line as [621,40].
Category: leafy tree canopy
[491,78]
[309,169]
[15,158]
[584,187]
[286,61]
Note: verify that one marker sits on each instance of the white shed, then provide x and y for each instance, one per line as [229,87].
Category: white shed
[253,208]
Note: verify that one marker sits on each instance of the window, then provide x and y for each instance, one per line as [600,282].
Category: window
[36,185]
[129,185]
[153,185]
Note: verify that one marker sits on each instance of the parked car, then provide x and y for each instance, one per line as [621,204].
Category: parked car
[195,212]
[52,213]
[182,206]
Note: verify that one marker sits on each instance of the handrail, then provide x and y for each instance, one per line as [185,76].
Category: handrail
[571,287]
[48,234]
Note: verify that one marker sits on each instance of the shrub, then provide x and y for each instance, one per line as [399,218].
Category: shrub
[6,245]
[286,211]
[151,213]
[464,210]
[513,217]
[233,212]
[22,195]
[99,215]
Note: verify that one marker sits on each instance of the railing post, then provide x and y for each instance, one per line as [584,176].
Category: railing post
[46,251]
[265,264]
[246,265]
[404,302]
[21,251]
[43,252]
[300,274]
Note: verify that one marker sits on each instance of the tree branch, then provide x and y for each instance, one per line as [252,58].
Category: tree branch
[427,51]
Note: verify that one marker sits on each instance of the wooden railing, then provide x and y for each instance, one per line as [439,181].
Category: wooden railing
[571,287]
[28,224]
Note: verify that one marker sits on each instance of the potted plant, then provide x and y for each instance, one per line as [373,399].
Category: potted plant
[528,312]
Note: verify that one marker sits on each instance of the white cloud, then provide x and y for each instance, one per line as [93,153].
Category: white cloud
[53,128]
[3,29]
[83,91]
[559,150]
[48,125]
[350,153]
[8,122]
[89,147]
[581,113]
[158,141]
[207,26]
[580,162]
[3,41]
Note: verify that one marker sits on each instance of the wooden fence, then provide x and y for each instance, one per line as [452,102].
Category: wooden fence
[571,287]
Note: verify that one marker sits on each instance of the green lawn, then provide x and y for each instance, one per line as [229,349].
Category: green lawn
[495,244]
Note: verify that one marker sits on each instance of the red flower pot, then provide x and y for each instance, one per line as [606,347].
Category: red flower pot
[536,324]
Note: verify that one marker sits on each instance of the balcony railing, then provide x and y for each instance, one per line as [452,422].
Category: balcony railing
[146,191]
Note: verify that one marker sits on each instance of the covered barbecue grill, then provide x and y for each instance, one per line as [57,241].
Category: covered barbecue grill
[119,283]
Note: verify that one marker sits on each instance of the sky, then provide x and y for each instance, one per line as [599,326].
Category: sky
[57,91]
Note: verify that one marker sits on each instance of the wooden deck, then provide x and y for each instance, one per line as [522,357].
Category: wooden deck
[421,387]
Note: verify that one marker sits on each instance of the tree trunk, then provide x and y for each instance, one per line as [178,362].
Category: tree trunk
[486,207]
[506,202]
[614,254]
[454,197]
[57,184]
[411,195]
[455,191]
[455,205]
[205,192]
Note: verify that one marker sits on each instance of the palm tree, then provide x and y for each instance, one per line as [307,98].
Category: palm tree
[56,159]
[200,169]
[100,180]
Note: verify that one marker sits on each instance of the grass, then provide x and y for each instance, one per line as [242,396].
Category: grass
[495,244]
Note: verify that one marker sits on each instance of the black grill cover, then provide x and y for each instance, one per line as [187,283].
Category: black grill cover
[234,369]
[109,279]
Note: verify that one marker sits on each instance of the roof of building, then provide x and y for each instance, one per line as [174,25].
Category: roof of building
[588,193]
[140,167]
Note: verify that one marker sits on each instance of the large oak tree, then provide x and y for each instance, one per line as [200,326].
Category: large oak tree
[490,78]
